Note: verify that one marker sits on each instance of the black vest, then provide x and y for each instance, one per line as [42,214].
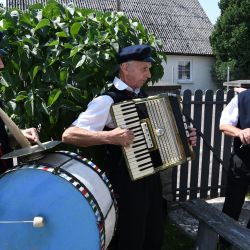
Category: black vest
[244,122]
[4,147]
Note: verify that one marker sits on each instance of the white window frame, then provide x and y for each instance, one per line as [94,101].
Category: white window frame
[185,80]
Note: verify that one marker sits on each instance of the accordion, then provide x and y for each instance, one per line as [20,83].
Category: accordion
[160,130]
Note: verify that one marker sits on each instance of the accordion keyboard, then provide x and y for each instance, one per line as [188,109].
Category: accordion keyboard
[137,154]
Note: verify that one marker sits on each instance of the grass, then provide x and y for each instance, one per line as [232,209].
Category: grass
[176,239]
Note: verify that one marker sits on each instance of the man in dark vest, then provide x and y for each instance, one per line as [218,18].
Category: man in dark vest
[140,211]
[5,148]
[235,122]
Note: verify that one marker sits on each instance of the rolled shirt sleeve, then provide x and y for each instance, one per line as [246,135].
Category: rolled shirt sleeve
[97,114]
[230,113]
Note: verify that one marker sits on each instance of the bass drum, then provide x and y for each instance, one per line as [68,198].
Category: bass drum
[70,195]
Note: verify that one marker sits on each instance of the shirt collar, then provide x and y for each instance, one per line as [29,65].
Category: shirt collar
[120,85]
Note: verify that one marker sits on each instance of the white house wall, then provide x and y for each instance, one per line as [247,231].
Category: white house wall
[200,72]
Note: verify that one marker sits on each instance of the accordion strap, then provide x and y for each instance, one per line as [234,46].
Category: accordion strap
[204,139]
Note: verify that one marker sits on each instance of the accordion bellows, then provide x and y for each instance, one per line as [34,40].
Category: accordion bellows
[161,133]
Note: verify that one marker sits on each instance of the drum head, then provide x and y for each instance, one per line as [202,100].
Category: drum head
[70,222]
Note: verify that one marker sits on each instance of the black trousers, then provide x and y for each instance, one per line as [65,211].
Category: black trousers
[237,186]
[140,213]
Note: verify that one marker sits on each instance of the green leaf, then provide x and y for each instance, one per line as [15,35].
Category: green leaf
[68,46]
[81,62]
[54,96]
[21,98]
[64,74]
[76,49]
[22,95]
[42,23]
[53,43]
[61,34]
[35,71]
[74,30]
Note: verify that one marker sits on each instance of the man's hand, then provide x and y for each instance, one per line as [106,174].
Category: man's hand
[244,136]
[122,137]
[31,134]
[192,136]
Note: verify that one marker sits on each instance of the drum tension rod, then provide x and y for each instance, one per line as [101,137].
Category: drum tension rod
[57,169]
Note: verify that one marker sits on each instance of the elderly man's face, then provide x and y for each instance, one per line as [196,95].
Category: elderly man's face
[135,73]
[1,64]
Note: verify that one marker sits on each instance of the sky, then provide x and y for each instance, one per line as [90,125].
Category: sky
[211,8]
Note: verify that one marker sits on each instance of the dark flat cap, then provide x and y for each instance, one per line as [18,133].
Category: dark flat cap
[2,52]
[135,53]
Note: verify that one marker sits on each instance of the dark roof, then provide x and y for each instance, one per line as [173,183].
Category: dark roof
[181,25]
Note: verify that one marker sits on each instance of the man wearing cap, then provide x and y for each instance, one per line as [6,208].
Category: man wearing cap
[140,211]
[5,148]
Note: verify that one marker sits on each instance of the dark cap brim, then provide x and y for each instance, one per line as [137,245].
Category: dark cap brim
[149,59]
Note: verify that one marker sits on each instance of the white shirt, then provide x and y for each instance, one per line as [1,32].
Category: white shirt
[230,113]
[97,114]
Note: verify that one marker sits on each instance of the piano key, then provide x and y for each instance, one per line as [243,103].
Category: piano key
[129,103]
[122,116]
[138,143]
[139,137]
[141,154]
[132,152]
[144,171]
[119,111]
[132,121]
[137,159]
[138,174]
[135,125]
[148,160]
[135,166]
[127,122]
[122,105]
[139,148]
[137,132]
[132,156]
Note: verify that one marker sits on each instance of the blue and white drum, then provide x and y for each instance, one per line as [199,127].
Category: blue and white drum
[70,196]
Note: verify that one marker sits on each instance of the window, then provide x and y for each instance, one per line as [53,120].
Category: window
[184,71]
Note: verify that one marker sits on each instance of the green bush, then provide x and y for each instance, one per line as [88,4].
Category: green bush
[59,57]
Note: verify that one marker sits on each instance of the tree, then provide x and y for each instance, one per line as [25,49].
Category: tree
[59,57]
[230,40]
